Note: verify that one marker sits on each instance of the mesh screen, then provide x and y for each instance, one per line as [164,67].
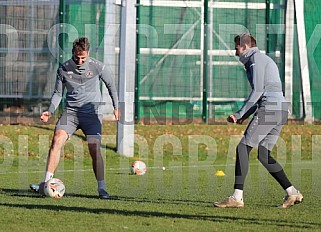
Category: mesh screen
[313,28]
[172,40]
[26,65]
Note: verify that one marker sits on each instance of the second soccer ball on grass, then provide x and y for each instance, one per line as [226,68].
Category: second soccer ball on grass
[138,168]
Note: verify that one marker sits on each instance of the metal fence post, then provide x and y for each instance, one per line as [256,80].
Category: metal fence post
[137,92]
[205,63]
[127,65]
[62,40]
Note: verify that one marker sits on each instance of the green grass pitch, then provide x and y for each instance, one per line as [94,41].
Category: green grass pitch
[175,199]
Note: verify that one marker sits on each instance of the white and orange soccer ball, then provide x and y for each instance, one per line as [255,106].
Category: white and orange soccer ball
[138,168]
[54,188]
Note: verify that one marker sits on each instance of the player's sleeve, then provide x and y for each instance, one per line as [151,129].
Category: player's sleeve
[257,73]
[57,94]
[110,85]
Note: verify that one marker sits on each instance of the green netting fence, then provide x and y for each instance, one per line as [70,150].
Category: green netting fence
[42,33]
[186,66]
[313,36]
[26,63]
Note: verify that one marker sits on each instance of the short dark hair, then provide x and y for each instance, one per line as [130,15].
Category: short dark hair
[81,44]
[245,38]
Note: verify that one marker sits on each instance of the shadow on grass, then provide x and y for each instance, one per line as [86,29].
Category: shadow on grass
[20,193]
[148,200]
[82,137]
[141,213]
[215,217]
[31,194]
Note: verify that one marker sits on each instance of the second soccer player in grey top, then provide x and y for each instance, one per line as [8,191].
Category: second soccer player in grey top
[270,110]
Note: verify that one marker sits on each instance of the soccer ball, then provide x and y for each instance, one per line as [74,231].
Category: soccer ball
[54,188]
[138,168]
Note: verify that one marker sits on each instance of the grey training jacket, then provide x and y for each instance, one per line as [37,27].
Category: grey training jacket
[263,76]
[82,86]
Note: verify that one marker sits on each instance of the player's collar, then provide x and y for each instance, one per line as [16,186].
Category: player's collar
[80,68]
[244,58]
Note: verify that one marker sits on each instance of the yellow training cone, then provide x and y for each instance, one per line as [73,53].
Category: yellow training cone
[219,173]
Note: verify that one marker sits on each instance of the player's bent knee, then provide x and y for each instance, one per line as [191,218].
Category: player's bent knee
[61,133]
[60,137]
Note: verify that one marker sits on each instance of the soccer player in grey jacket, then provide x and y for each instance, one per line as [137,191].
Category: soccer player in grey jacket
[266,100]
[80,77]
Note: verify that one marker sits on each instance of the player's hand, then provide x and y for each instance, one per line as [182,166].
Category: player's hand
[240,121]
[117,113]
[231,118]
[45,116]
